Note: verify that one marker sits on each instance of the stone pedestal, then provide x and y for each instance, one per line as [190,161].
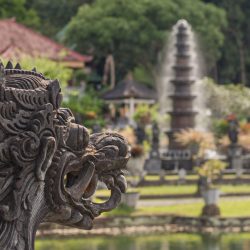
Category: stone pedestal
[211,198]
[130,199]
[153,165]
[235,157]
[173,160]
[182,175]
[210,210]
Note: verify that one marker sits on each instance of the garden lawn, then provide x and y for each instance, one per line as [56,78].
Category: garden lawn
[234,189]
[190,177]
[169,177]
[157,190]
[229,208]
[180,189]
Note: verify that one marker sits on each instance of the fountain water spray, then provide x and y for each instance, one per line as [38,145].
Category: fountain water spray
[180,79]
[168,69]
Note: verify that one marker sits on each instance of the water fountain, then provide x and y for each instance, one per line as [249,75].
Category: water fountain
[183,116]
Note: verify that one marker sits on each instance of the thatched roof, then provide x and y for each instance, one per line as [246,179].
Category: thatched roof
[129,88]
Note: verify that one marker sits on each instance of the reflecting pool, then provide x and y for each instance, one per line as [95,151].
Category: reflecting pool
[239,241]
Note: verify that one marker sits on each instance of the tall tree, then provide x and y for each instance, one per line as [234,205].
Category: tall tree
[134,32]
[55,14]
[17,9]
[234,65]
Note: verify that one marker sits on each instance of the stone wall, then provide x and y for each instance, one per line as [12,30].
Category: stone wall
[129,225]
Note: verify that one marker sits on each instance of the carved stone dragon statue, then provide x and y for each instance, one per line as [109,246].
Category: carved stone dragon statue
[49,165]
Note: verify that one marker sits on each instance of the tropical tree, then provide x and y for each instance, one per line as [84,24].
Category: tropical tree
[223,100]
[87,107]
[134,32]
[17,9]
[234,64]
[54,15]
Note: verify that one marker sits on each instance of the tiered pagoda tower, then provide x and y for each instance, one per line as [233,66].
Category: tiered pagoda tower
[182,113]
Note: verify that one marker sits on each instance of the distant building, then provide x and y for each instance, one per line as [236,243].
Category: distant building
[16,40]
[126,95]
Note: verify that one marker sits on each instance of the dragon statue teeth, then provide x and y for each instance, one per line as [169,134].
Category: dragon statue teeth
[49,165]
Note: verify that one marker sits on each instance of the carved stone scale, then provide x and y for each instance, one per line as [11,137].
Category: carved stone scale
[49,165]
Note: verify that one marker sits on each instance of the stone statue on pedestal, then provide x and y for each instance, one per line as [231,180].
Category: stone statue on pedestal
[235,157]
[233,131]
[49,165]
[153,163]
[154,153]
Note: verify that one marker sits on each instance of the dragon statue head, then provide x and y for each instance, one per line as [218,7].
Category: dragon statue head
[49,165]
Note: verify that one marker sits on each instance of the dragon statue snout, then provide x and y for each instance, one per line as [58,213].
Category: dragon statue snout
[49,165]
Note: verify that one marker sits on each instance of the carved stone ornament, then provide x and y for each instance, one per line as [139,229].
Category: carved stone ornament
[49,165]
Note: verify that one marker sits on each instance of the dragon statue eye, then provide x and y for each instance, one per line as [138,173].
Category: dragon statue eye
[50,166]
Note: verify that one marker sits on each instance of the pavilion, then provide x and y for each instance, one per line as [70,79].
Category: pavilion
[130,93]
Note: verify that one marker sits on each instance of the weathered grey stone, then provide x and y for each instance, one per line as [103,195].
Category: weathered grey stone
[130,199]
[49,165]
[246,222]
[234,222]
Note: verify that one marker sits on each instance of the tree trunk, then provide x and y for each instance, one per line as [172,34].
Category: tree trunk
[109,71]
[243,76]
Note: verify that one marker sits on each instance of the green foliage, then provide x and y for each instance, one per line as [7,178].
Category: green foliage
[18,10]
[87,106]
[145,113]
[220,127]
[79,75]
[55,14]
[121,210]
[140,74]
[135,31]
[235,60]
[223,100]
[48,68]
[211,170]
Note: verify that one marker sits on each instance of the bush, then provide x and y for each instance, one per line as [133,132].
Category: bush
[144,113]
[227,99]
[210,170]
[87,107]
[196,140]
[49,68]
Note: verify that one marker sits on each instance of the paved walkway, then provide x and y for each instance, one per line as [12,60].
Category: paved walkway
[169,202]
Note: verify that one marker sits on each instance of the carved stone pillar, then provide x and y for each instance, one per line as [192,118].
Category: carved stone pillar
[49,165]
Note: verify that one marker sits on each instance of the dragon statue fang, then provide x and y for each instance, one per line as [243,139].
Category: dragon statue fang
[49,165]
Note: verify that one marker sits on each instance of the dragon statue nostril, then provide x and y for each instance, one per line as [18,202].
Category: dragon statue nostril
[49,165]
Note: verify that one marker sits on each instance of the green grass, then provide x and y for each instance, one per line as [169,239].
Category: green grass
[176,177]
[152,177]
[164,190]
[229,208]
[180,209]
[180,189]
[158,190]
[190,177]
[235,188]
[169,177]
